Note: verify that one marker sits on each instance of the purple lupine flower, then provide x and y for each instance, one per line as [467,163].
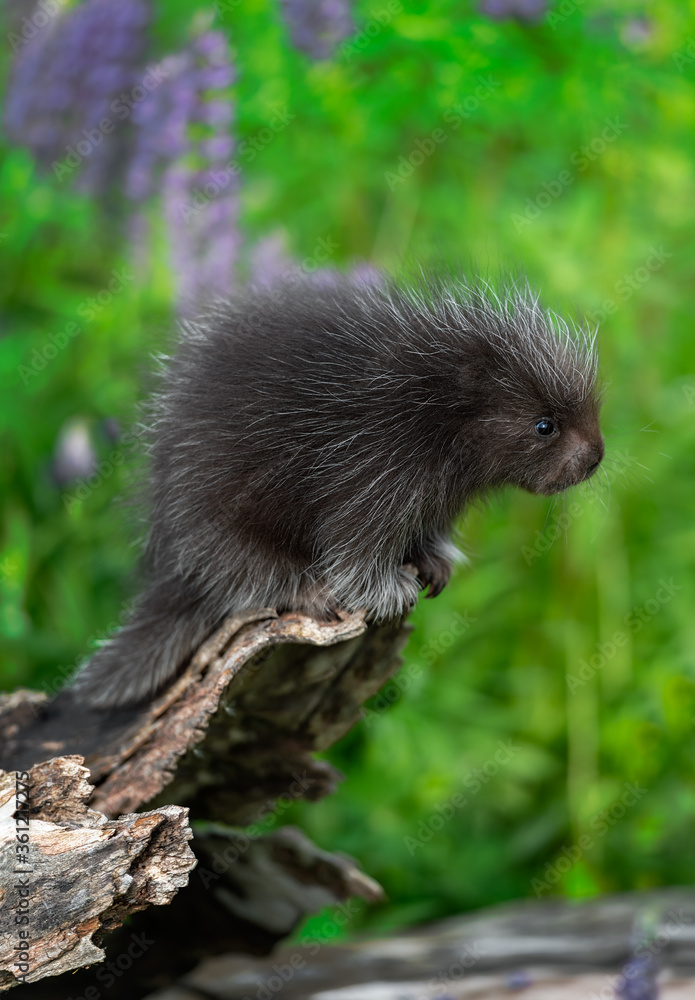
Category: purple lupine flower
[519,981]
[74,456]
[203,235]
[86,69]
[638,979]
[270,264]
[317,26]
[65,81]
[637,31]
[188,95]
[364,273]
[183,149]
[523,10]
[212,231]
[162,126]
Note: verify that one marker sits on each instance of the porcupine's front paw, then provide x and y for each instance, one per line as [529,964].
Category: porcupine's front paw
[381,595]
[405,588]
[391,595]
[398,593]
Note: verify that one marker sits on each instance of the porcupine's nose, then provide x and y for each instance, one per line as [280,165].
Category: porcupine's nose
[592,458]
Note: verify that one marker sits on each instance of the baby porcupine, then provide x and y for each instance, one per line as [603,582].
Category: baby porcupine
[310,444]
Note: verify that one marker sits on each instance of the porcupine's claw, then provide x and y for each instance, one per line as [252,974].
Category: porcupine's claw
[434,575]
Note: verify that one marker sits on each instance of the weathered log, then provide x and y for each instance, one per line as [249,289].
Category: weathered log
[536,950]
[233,735]
[232,732]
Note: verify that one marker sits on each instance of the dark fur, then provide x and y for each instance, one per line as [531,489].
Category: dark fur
[309,442]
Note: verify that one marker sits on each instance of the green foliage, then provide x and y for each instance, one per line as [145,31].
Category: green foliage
[559,673]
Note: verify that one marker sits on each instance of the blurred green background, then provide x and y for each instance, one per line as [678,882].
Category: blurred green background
[560,702]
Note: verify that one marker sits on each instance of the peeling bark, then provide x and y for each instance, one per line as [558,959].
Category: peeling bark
[68,874]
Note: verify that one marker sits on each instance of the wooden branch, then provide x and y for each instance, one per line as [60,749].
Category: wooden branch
[235,733]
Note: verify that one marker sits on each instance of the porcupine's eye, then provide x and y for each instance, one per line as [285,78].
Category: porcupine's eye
[545,427]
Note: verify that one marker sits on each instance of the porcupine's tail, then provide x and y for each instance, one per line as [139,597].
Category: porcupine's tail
[166,627]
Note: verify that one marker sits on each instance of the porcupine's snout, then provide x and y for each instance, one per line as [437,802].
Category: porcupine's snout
[588,459]
[584,459]
[580,458]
